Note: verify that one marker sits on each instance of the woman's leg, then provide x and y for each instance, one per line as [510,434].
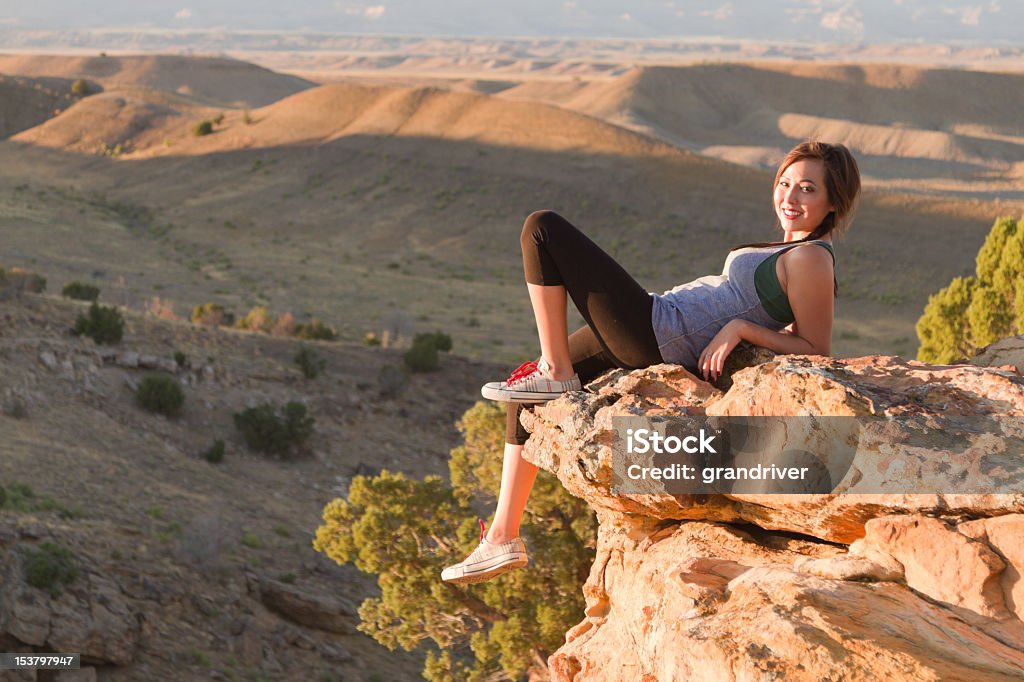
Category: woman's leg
[560,261]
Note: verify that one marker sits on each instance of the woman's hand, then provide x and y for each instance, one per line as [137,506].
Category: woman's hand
[712,358]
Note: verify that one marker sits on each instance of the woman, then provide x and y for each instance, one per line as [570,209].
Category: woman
[778,295]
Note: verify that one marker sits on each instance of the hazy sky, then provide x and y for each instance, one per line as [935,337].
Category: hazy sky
[777,20]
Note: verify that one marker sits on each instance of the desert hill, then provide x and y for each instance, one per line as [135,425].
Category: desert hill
[216,81]
[913,127]
[149,122]
[188,567]
[27,102]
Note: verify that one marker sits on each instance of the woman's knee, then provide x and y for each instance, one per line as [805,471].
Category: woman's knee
[539,226]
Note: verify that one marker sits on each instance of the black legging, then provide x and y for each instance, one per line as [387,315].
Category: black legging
[616,308]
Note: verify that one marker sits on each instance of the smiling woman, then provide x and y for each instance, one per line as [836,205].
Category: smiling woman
[778,295]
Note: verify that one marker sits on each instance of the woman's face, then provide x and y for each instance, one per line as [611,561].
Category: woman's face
[801,200]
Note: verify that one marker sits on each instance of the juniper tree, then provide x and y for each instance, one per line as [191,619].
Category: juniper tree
[406,530]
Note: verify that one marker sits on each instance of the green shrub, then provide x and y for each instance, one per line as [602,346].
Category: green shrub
[278,432]
[973,312]
[103,324]
[251,540]
[309,362]
[422,357]
[202,128]
[440,340]
[49,567]
[215,453]
[315,330]
[180,359]
[80,88]
[80,292]
[161,394]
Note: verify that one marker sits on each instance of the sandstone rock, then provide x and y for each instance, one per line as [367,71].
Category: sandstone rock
[573,437]
[677,592]
[1005,535]
[128,359]
[1004,353]
[317,611]
[941,563]
[48,359]
[90,616]
[849,568]
[703,602]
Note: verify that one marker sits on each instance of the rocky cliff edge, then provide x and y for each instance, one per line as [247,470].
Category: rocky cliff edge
[803,587]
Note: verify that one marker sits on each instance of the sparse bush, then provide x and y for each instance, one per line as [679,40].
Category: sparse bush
[180,359]
[258,319]
[161,309]
[309,362]
[218,119]
[80,88]
[202,128]
[315,330]
[422,357]
[215,453]
[251,540]
[212,315]
[80,292]
[161,394]
[441,341]
[103,324]
[49,567]
[392,380]
[279,432]
[23,280]
[285,325]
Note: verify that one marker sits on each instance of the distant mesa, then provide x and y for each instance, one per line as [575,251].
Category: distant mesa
[216,81]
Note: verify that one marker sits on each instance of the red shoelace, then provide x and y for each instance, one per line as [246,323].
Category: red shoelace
[483,530]
[522,372]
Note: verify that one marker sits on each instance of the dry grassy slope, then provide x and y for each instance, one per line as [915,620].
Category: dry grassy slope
[216,81]
[27,102]
[144,493]
[350,201]
[118,121]
[903,121]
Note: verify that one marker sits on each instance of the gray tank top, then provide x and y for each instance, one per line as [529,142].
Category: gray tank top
[686,318]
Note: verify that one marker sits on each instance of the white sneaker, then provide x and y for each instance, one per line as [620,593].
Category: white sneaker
[487,561]
[531,382]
